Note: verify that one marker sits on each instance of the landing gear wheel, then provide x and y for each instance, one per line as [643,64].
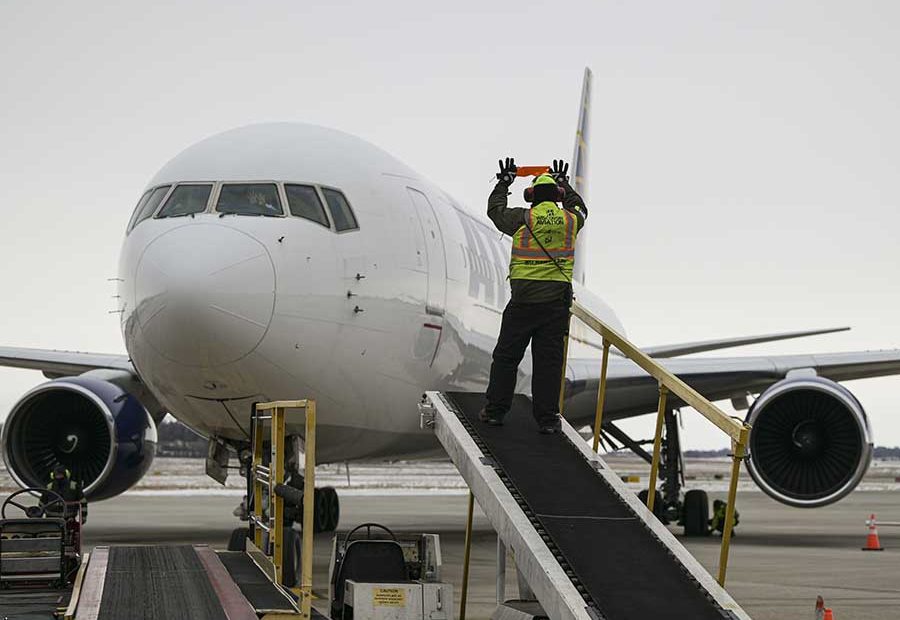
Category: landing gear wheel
[696,513]
[238,540]
[658,508]
[320,511]
[290,562]
[332,508]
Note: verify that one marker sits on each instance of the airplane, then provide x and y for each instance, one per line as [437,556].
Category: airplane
[287,260]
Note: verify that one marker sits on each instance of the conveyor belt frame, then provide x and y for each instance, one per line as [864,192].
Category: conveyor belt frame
[559,597]
[534,559]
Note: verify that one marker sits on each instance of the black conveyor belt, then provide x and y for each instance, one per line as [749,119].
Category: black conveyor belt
[157,582]
[255,586]
[619,565]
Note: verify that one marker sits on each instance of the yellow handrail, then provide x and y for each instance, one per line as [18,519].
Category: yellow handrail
[657,443]
[668,383]
[734,429]
[601,394]
[464,596]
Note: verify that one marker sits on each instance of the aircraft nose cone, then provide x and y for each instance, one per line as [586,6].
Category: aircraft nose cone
[205,294]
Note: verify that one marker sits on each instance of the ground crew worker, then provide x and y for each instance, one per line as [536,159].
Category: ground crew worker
[62,483]
[717,523]
[540,276]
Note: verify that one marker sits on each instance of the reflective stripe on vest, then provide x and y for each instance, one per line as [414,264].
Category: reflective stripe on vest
[556,228]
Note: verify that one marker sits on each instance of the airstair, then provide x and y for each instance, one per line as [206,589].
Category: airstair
[586,545]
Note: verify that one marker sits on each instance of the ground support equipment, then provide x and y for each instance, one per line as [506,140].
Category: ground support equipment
[379,575]
[191,582]
[582,540]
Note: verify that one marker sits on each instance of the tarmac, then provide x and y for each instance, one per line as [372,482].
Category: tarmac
[781,558]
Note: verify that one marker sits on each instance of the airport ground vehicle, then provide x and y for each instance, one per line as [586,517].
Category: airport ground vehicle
[40,552]
[379,571]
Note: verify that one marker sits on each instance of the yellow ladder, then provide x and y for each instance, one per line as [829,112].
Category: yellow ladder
[267,544]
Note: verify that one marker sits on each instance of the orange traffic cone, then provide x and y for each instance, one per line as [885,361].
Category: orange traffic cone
[828,614]
[872,542]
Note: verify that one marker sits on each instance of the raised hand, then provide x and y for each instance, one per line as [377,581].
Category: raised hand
[559,171]
[508,170]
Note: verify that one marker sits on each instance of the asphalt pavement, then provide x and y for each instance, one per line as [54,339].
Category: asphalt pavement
[781,559]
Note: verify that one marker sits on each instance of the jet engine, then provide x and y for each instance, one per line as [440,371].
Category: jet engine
[96,429]
[810,443]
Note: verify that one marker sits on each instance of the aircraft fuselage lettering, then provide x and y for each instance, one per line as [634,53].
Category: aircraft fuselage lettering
[486,267]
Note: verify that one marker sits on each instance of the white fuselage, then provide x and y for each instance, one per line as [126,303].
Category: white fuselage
[220,311]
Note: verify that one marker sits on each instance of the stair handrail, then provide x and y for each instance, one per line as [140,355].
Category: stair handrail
[738,431]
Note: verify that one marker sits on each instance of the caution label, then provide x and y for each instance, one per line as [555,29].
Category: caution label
[389,597]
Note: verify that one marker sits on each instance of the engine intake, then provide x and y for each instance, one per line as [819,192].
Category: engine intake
[97,430]
[810,443]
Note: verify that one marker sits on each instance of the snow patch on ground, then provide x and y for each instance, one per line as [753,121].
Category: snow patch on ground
[186,476]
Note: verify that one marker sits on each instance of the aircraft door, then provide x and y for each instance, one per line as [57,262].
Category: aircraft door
[436,260]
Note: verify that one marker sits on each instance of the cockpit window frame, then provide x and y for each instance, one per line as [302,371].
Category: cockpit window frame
[213,192]
[134,222]
[328,224]
[321,189]
[137,209]
[212,201]
[213,206]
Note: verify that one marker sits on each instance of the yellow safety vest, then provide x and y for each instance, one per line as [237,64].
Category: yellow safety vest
[556,228]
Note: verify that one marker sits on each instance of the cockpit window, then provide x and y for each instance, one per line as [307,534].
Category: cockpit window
[185,200]
[137,209]
[147,205]
[341,213]
[249,199]
[303,200]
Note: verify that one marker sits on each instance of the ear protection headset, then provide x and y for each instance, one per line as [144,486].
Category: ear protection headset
[544,179]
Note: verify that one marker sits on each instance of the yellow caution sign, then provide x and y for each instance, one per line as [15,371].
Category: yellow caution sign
[389,597]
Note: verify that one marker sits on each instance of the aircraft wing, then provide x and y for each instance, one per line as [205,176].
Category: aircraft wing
[686,348]
[630,391]
[62,363]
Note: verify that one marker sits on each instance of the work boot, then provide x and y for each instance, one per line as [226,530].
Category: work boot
[490,419]
[550,427]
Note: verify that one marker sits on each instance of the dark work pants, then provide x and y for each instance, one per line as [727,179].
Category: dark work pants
[545,325]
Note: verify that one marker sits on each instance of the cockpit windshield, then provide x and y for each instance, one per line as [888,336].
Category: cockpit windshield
[147,205]
[304,202]
[186,200]
[341,213]
[250,199]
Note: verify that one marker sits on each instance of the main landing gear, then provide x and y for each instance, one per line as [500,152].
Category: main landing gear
[326,508]
[326,516]
[691,511]
[326,512]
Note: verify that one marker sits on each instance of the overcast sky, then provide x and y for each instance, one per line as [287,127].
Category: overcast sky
[745,156]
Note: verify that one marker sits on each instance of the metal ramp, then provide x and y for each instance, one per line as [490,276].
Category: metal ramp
[587,546]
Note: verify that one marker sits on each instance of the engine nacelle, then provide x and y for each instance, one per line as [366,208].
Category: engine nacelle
[810,444]
[100,432]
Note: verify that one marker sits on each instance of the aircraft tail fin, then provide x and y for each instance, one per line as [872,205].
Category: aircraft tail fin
[579,168]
